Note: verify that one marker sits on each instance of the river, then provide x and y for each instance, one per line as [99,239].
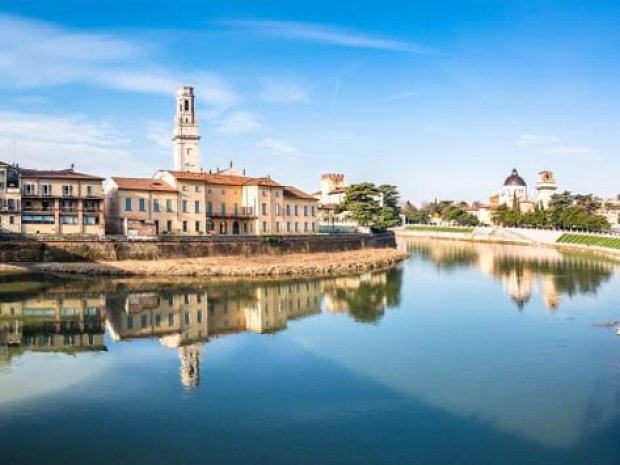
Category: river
[465,353]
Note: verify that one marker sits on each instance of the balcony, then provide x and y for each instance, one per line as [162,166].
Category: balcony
[241,212]
[37,208]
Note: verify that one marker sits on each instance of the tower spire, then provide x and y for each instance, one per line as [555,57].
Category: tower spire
[186,136]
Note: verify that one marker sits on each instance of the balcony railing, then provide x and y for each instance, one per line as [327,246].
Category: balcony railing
[240,212]
[37,208]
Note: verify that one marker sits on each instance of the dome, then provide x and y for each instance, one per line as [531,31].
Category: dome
[514,179]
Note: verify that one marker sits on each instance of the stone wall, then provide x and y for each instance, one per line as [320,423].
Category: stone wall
[112,249]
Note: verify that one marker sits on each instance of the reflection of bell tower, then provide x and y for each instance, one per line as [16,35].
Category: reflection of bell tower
[190,365]
[546,187]
[186,134]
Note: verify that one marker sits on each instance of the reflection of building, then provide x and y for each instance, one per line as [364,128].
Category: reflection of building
[50,322]
[337,289]
[184,319]
[523,270]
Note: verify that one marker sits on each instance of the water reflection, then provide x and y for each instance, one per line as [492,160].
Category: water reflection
[521,269]
[69,317]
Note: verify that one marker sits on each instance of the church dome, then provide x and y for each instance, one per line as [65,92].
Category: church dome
[514,179]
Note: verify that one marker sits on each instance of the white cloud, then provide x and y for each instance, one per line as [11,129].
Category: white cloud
[278,146]
[553,145]
[47,141]
[402,96]
[325,34]
[37,54]
[536,139]
[239,122]
[161,134]
[283,91]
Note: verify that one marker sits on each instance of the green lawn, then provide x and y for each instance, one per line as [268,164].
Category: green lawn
[448,229]
[584,239]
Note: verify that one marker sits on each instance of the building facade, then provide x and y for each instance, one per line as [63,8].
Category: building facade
[60,202]
[188,201]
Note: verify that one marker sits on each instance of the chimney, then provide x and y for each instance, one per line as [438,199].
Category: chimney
[72,167]
[231,163]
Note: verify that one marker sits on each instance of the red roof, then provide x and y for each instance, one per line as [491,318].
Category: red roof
[225,179]
[143,184]
[290,191]
[58,174]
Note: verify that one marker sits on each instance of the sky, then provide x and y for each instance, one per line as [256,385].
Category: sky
[441,98]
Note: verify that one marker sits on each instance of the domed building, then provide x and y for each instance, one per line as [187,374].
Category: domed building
[514,190]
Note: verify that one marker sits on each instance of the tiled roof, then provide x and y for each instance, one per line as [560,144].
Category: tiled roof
[143,184]
[58,174]
[225,179]
[290,191]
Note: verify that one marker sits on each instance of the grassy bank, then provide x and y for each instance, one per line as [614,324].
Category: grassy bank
[445,229]
[584,239]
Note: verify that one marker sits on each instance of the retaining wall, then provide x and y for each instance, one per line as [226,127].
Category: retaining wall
[112,249]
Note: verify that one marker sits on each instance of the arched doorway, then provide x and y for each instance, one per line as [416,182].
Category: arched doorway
[235,227]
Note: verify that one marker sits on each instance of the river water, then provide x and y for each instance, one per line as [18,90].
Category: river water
[466,353]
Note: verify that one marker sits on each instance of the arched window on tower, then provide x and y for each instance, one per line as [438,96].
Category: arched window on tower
[186,105]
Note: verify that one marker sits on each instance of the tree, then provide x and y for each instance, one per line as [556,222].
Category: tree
[361,202]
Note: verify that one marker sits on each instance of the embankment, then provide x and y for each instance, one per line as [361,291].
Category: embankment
[511,236]
[291,264]
[66,249]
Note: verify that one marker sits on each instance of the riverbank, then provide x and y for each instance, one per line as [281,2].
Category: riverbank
[294,264]
[537,238]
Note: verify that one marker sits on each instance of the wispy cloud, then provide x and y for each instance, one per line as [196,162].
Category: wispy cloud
[554,145]
[536,139]
[402,96]
[239,122]
[331,35]
[39,54]
[277,90]
[277,146]
[47,141]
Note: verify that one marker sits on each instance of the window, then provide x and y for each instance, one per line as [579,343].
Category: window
[186,318]
[288,226]
[208,190]
[197,188]
[264,226]
[67,190]
[313,210]
[46,189]
[184,188]
[277,226]
[185,226]
[264,193]
[89,191]
[199,316]
[278,209]
[196,206]
[296,210]
[288,210]
[296,226]
[91,220]
[128,204]
[170,319]
[30,189]
[169,225]
[184,206]
[129,322]
[36,219]
[223,209]
[264,209]
[144,321]
[306,226]
[305,210]
[223,192]
[157,320]
[156,205]
[142,205]
[209,208]
[277,194]
[197,226]
[68,219]
[313,227]
[169,205]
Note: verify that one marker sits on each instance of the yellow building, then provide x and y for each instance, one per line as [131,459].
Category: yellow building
[190,201]
[50,201]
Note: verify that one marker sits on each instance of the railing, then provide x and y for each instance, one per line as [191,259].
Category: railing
[31,208]
[240,212]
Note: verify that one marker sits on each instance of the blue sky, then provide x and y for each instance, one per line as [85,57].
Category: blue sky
[442,98]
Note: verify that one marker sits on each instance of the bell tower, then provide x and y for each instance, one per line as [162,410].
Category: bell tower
[546,187]
[186,136]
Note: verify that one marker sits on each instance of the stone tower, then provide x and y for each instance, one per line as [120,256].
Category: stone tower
[186,136]
[546,187]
